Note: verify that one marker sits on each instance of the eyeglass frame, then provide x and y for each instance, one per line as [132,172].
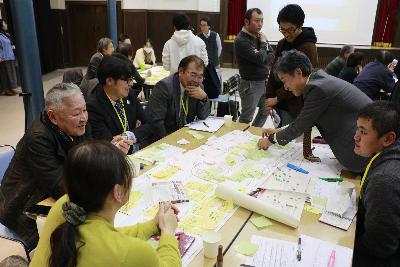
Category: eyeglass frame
[289,30]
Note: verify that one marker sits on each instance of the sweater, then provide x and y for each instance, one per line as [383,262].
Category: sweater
[138,61]
[213,45]
[332,105]
[348,74]
[253,56]
[377,240]
[183,43]
[105,245]
[305,43]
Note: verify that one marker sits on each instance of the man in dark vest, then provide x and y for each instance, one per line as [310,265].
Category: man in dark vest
[212,41]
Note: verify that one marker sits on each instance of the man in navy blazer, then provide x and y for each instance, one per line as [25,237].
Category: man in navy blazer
[113,108]
[179,98]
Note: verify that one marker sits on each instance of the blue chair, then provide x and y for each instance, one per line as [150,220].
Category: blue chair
[5,232]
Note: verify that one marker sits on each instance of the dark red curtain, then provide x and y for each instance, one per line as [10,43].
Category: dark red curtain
[236,10]
[383,35]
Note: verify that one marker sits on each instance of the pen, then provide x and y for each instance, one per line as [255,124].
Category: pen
[331,261]
[206,124]
[245,129]
[299,249]
[296,168]
[332,179]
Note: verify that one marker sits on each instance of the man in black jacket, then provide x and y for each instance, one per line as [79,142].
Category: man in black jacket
[36,168]
[377,241]
[113,108]
[253,54]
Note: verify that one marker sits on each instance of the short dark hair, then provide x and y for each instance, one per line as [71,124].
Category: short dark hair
[385,57]
[189,59]
[249,13]
[181,21]
[355,59]
[103,44]
[113,67]
[291,13]
[148,40]
[206,19]
[122,37]
[385,117]
[291,60]
[345,49]
[125,49]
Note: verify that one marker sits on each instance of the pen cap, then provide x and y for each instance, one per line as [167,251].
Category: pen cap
[220,257]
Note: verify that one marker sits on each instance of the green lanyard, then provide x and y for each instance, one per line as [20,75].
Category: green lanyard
[367,170]
[185,109]
[123,123]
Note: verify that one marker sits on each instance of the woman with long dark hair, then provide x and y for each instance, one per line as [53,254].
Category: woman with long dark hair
[8,73]
[79,230]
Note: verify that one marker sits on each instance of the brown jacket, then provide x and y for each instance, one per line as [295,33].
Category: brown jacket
[305,43]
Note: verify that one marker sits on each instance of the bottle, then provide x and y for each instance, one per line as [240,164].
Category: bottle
[220,257]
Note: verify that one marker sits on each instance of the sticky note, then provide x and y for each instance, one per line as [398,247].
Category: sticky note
[260,222]
[165,173]
[247,248]
[195,134]
[312,209]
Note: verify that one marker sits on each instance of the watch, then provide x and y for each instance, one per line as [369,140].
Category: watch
[272,138]
[204,100]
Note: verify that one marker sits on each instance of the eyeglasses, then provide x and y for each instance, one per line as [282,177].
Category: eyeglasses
[195,76]
[288,30]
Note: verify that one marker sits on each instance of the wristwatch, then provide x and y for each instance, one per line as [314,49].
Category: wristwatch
[204,100]
[272,138]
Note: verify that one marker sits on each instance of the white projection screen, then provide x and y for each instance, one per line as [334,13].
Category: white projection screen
[334,21]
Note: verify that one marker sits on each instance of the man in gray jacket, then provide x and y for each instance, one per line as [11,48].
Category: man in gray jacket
[377,240]
[179,98]
[330,103]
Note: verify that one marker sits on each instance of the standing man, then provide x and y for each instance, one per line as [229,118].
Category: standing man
[253,54]
[183,43]
[179,98]
[337,64]
[377,240]
[213,43]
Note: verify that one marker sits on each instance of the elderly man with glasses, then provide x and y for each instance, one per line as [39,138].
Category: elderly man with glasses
[179,98]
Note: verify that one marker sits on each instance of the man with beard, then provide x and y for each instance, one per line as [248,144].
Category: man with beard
[179,98]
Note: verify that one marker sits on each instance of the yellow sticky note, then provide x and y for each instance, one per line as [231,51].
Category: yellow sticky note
[166,173]
[195,195]
[195,134]
[261,222]
[230,160]
[247,248]
[312,209]
[319,201]
[134,197]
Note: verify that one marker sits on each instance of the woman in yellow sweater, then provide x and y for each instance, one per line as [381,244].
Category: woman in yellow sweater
[79,229]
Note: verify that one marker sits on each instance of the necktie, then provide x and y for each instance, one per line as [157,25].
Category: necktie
[119,108]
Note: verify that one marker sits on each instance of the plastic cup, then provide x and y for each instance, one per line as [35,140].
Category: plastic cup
[211,241]
[40,221]
[228,120]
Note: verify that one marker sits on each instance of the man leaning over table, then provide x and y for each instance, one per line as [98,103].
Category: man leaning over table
[35,171]
[179,98]
[377,240]
[330,103]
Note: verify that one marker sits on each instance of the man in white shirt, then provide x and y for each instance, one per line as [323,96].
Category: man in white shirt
[182,43]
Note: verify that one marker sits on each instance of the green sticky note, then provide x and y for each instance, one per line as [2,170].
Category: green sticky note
[260,222]
[247,248]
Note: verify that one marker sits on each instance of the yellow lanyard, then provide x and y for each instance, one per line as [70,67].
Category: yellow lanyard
[185,109]
[123,123]
[366,171]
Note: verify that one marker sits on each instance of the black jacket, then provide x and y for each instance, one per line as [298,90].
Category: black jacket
[34,174]
[377,241]
[348,74]
[104,121]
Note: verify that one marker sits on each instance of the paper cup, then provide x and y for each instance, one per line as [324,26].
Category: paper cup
[228,120]
[346,188]
[211,241]
[40,221]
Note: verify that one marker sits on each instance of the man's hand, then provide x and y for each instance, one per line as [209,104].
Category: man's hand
[138,123]
[267,132]
[264,143]
[196,92]
[122,143]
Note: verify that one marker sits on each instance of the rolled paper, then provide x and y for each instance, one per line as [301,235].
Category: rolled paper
[228,191]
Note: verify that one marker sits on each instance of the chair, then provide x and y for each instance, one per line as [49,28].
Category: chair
[5,159]
[73,75]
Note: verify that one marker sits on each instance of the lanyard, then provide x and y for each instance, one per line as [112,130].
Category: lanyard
[185,109]
[123,123]
[366,171]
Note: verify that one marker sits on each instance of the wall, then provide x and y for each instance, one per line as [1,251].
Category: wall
[195,5]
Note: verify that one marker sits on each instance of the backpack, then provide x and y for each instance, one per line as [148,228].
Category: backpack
[211,83]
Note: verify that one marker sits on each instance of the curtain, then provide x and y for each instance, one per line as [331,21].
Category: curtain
[383,35]
[236,10]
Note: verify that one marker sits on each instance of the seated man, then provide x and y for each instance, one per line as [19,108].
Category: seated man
[36,169]
[377,240]
[337,64]
[377,75]
[179,98]
[113,108]
[330,103]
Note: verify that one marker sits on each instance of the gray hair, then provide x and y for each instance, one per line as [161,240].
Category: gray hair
[55,97]
[291,60]
[346,49]
[103,43]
